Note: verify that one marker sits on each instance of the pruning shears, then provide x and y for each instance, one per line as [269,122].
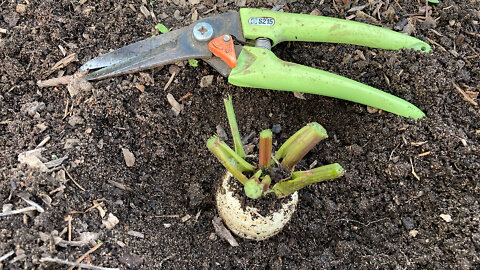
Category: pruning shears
[249,61]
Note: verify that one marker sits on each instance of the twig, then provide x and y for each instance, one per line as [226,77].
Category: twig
[465,96]
[3,30]
[365,225]
[435,43]
[79,260]
[44,141]
[19,211]
[168,216]
[55,81]
[34,204]
[82,265]
[169,81]
[187,95]
[396,2]
[4,257]
[413,170]
[473,34]
[424,154]
[71,178]
[69,220]
[66,110]
[62,63]
[165,259]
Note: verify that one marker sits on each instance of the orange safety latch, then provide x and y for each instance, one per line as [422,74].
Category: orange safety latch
[223,47]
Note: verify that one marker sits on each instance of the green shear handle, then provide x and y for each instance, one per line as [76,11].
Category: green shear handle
[260,68]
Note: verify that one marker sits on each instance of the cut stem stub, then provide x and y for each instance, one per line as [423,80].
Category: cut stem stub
[265,148]
[305,178]
[229,159]
[300,143]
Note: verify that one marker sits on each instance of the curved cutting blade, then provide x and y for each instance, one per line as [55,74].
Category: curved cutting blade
[163,49]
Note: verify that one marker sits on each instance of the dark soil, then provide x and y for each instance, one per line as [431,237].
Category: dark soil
[367,219]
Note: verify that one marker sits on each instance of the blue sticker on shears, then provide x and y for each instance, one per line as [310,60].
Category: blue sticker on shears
[265,21]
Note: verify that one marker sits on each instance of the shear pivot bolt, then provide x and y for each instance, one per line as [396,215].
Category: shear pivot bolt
[202,31]
[226,38]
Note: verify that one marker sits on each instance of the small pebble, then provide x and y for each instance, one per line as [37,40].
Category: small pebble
[21,8]
[276,128]
[221,133]
[206,81]
[408,222]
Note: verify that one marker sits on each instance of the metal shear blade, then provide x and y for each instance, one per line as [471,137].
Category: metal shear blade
[165,49]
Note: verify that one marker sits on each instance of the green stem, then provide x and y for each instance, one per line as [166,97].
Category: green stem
[229,159]
[265,148]
[300,143]
[232,121]
[306,178]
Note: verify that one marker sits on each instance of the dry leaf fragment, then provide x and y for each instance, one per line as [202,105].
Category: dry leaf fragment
[176,107]
[110,222]
[299,95]
[446,217]
[223,232]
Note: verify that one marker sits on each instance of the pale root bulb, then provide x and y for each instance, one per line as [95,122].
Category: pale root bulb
[249,223]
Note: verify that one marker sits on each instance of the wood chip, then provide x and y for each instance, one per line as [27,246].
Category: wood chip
[140,87]
[119,185]
[185,218]
[418,143]
[145,11]
[3,30]
[413,233]
[136,234]
[129,157]
[223,232]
